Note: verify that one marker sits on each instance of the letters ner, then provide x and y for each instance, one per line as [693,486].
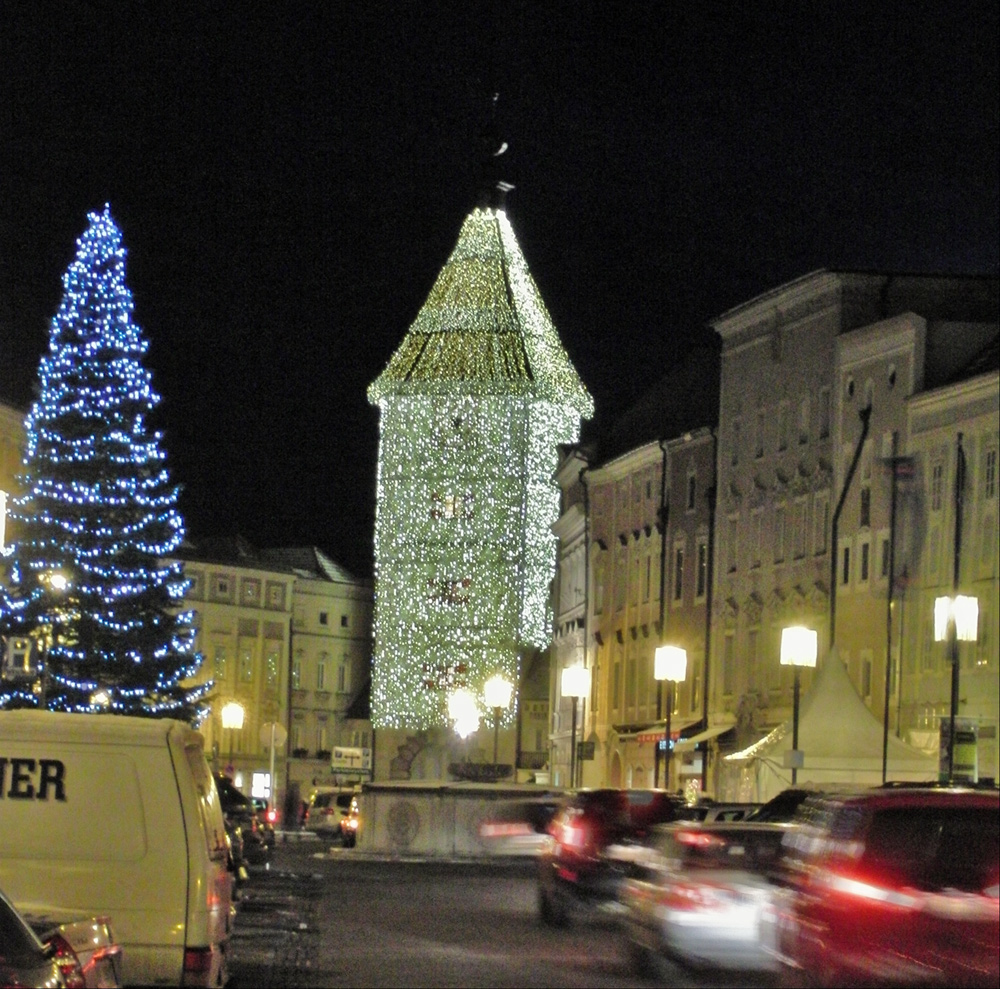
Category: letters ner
[51,779]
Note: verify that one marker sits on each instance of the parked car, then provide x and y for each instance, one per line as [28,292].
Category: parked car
[781,807]
[893,886]
[700,893]
[326,809]
[90,941]
[582,865]
[26,961]
[239,811]
[519,826]
[349,824]
[268,818]
[709,810]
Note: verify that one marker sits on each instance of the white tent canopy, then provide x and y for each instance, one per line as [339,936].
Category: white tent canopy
[841,741]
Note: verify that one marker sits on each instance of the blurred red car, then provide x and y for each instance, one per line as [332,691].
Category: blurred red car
[893,887]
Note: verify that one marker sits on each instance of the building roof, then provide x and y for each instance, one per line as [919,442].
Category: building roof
[484,328]
[308,562]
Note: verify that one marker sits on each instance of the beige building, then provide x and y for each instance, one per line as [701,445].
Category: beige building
[286,634]
[11,451]
[819,379]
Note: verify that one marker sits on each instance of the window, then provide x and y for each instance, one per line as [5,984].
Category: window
[701,577]
[222,586]
[692,487]
[678,572]
[246,665]
[322,743]
[990,474]
[756,536]
[883,564]
[647,578]
[824,413]
[696,689]
[804,421]
[864,554]
[251,591]
[801,527]
[937,486]
[728,664]
[779,533]
[272,667]
[297,673]
[866,506]
[343,621]
[783,426]
[821,521]
[732,543]
[323,618]
[342,681]
[616,686]
[758,440]
[220,663]
[321,673]
[276,595]
[845,565]
[866,677]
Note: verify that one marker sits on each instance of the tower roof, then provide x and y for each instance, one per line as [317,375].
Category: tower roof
[484,328]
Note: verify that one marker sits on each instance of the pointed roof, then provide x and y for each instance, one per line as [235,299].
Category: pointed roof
[484,328]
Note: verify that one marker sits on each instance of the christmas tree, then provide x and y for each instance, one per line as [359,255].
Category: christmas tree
[91,612]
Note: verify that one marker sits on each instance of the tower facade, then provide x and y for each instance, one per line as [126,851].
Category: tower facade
[472,408]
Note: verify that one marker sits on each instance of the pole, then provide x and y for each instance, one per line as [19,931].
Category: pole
[666,737]
[952,629]
[496,736]
[572,750]
[274,789]
[795,726]
[888,608]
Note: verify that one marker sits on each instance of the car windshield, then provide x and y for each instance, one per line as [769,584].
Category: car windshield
[17,942]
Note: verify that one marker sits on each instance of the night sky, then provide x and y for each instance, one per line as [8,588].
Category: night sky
[289,179]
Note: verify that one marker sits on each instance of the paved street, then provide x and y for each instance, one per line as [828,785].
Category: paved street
[317,919]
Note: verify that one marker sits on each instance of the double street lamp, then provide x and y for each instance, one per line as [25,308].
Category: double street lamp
[670,664]
[798,649]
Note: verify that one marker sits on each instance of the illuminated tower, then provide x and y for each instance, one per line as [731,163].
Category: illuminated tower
[472,407]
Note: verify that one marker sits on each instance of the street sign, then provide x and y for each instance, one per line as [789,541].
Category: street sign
[280,734]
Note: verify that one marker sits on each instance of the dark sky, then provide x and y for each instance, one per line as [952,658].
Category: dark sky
[289,179]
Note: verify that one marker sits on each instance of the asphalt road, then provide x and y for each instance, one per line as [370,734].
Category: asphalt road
[319,918]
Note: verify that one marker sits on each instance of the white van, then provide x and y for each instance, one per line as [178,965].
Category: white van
[114,815]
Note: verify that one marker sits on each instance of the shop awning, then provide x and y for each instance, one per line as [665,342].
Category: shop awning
[686,744]
[644,734]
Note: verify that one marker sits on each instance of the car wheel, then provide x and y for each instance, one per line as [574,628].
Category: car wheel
[550,909]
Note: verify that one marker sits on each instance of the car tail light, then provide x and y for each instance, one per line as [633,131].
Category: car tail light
[852,887]
[692,896]
[197,961]
[699,839]
[272,816]
[69,964]
[574,834]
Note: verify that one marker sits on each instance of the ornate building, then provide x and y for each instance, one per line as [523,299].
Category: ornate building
[473,406]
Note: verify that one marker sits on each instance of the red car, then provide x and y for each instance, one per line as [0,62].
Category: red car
[587,856]
[893,886]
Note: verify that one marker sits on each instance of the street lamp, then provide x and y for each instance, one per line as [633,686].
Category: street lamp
[670,664]
[575,683]
[957,620]
[497,692]
[798,649]
[232,718]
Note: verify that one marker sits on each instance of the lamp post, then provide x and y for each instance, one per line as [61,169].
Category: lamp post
[575,683]
[957,620]
[670,664]
[232,718]
[497,693]
[798,649]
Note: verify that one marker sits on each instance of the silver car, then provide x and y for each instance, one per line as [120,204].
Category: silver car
[700,894]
